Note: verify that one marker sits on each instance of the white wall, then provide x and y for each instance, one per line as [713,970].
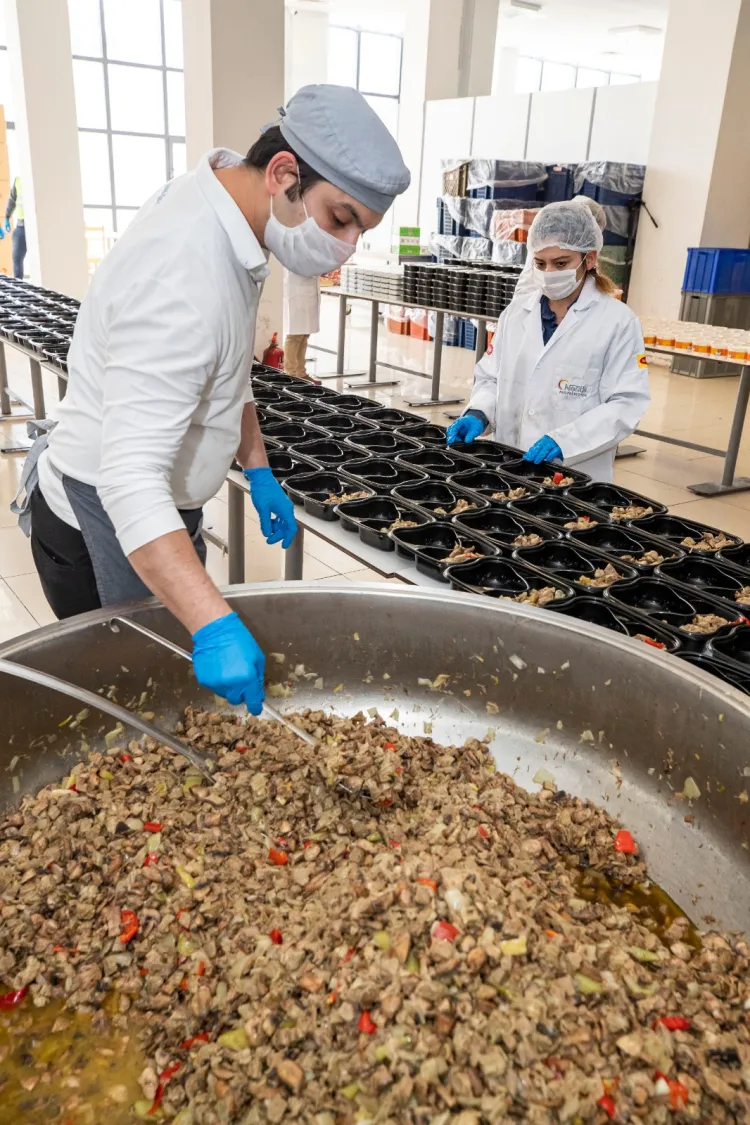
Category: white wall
[306,49]
[623,118]
[448,128]
[559,126]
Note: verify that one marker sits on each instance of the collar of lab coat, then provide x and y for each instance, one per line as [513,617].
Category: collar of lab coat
[244,243]
[589,296]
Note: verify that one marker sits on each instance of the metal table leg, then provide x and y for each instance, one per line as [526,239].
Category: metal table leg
[481,347]
[294,556]
[437,362]
[37,388]
[373,381]
[339,373]
[236,535]
[62,387]
[625,451]
[7,398]
[728,483]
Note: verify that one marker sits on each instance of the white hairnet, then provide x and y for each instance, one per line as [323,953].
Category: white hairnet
[569,225]
[595,208]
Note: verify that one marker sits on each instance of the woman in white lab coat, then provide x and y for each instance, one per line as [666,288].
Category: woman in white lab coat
[565,377]
[302,320]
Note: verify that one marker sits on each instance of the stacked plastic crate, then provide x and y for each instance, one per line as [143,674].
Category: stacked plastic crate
[619,190]
[715,290]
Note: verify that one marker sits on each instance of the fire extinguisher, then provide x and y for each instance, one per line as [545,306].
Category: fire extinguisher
[273,356]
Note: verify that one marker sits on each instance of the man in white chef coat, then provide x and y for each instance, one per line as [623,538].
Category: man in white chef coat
[159,398]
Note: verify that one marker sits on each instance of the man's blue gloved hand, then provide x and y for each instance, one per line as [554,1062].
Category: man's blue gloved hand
[465,429]
[274,507]
[228,662]
[2,234]
[7,225]
[543,450]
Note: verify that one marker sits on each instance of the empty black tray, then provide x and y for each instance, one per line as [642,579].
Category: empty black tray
[386,417]
[611,496]
[310,391]
[371,519]
[538,473]
[431,544]
[285,464]
[425,432]
[571,562]
[314,489]
[733,647]
[737,556]
[380,443]
[504,528]
[557,510]
[675,529]
[490,453]
[327,451]
[296,409]
[504,578]
[270,377]
[598,611]
[340,426]
[671,607]
[382,473]
[286,433]
[707,576]
[497,487]
[269,396]
[352,404]
[437,462]
[439,499]
[617,541]
[730,674]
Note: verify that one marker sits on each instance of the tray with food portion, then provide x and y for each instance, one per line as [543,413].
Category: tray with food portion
[373,519]
[439,499]
[694,618]
[438,546]
[589,572]
[598,611]
[706,575]
[509,579]
[691,536]
[550,475]
[627,544]
[621,504]
[498,487]
[506,529]
[559,511]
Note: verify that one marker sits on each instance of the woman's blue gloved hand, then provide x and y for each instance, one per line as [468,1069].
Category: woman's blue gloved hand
[464,429]
[7,225]
[543,450]
[228,662]
[274,507]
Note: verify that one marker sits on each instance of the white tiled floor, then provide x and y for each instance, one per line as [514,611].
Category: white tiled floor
[694,410]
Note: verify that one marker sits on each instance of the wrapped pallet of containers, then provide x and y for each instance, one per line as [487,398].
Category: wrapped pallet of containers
[521,180]
[455,177]
[419,324]
[397,320]
[512,226]
[447,248]
[608,182]
[451,329]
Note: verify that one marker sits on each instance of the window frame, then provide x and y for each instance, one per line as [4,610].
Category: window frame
[359,32]
[577,68]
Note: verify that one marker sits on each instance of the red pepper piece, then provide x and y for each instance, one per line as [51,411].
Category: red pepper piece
[678,1093]
[385,803]
[394,843]
[653,643]
[390,746]
[428,883]
[241,749]
[558,478]
[348,955]
[280,859]
[72,788]
[201,1037]
[126,757]
[276,937]
[332,997]
[183,984]
[625,843]
[11,1000]
[130,925]
[673,1023]
[151,859]
[555,1066]
[399,769]
[164,1077]
[152,826]
[483,832]
[201,968]
[366,1025]
[607,1103]
[307,844]
[444,931]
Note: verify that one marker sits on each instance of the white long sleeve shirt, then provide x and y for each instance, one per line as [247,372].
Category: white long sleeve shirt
[160,361]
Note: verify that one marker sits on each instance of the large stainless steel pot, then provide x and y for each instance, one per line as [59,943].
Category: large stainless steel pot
[611,719]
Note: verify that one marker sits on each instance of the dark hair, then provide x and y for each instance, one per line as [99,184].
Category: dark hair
[267,146]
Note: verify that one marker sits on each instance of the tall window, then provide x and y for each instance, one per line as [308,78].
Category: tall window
[537,74]
[130,103]
[371,62]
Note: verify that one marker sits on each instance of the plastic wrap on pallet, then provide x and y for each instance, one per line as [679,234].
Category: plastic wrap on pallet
[506,223]
[450,328]
[509,253]
[464,249]
[478,215]
[505,173]
[454,176]
[458,208]
[625,178]
[618,219]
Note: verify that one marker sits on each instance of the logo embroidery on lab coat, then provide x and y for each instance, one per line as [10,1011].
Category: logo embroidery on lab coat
[642,361]
[572,390]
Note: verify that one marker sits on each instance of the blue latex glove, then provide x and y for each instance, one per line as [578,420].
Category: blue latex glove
[274,507]
[2,234]
[543,450]
[465,429]
[7,225]
[228,662]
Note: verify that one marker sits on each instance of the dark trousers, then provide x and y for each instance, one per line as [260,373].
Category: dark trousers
[19,249]
[65,565]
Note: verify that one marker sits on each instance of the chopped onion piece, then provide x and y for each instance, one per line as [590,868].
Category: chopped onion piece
[690,790]
[517,662]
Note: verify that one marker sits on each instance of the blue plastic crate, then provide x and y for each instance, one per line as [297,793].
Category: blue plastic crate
[606,195]
[612,239]
[717,271]
[526,193]
[467,335]
[446,224]
[559,184]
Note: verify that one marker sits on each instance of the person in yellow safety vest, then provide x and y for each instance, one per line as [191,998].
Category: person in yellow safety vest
[15,203]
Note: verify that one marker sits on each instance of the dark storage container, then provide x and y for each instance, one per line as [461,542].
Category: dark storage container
[439,499]
[610,498]
[672,607]
[381,473]
[436,462]
[431,545]
[381,443]
[497,487]
[573,563]
[676,529]
[506,529]
[506,578]
[425,432]
[314,491]
[618,542]
[560,511]
[372,519]
[546,471]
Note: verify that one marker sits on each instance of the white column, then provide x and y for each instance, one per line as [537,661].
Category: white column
[42,77]
[698,178]
[234,83]
[306,49]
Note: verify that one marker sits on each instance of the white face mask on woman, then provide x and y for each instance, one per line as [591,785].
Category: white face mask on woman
[306,249]
[557,284]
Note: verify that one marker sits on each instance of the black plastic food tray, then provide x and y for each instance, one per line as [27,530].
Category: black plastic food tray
[570,562]
[556,510]
[382,473]
[425,432]
[429,545]
[675,529]
[352,404]
[380,443]
[598,494]
[430,495]
[537,473]
[598,611]
[617,541]
[326,451]
[737,556]
[312,492]
[733,647]
[270,377]
[310,391]
[286,433]
[386,417]
[490,453]
[367,518]
[504,578]
[268,396]
[296,409]
[284,464]
[489,481]
[726,672]
[672,606]
[503,527]
[340,426]
[437,462]
[707,576]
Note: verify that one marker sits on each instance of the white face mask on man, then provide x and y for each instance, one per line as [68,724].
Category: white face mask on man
[306,249]
[558,284]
